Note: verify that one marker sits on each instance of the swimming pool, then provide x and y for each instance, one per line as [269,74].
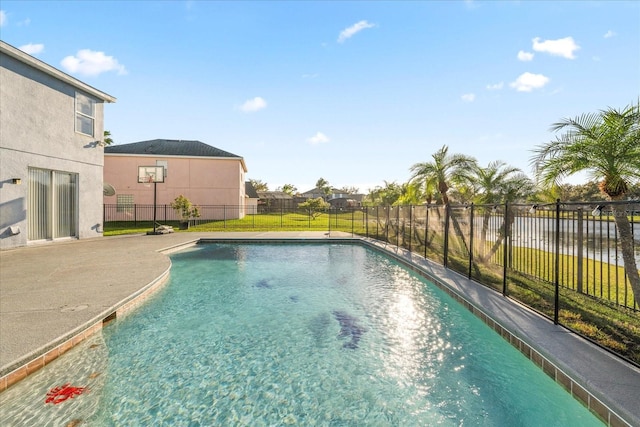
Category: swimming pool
[313,334]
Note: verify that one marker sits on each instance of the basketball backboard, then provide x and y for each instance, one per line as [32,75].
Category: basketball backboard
[149,174]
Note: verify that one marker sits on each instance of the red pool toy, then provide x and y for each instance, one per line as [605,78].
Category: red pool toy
[59,394]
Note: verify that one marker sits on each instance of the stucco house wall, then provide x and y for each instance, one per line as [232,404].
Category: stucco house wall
[206,180]
[37,122]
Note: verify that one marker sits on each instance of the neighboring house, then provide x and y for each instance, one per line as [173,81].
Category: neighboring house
[319,192]
[315,193]
[51,155]
[252,198]
[343,202]
[206,175]
[275,200]
[336,197]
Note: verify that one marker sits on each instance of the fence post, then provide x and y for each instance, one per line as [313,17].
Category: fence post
[398,227]
[386,224]
[410,227]
[446,235]
[352,219]
[471,239]
[505,248]
[135,215]
[580,237]
[366,222]
[426,229]
[556,307]
[377,222]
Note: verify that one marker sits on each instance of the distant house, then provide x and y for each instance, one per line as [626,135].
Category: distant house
[336,198]
[319,192]
[343,202]
[271,201]
[252,198]
[206,175]
[51,155]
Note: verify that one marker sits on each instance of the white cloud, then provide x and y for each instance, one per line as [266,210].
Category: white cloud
[526,82]
[525,56]
[352,30]
[468,97]
[318,138]
[253,105]
[32,48]
[471,4]
[91,63]
[3,18]
[495,86]
[609,34]
[562,47]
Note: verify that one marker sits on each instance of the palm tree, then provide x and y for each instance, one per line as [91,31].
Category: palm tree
[410,194]
[498,183]
[290,189]
[259,185]
[606,145]
[445,169]
[107,140]
[387,195]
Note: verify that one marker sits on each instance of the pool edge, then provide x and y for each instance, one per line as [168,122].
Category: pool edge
[39,358]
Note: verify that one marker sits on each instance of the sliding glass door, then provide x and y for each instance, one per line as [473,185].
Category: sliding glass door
[53,204]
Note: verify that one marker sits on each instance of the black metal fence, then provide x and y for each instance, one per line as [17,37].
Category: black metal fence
[574,244]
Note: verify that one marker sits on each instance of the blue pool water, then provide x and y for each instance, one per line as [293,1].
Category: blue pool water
[313,334]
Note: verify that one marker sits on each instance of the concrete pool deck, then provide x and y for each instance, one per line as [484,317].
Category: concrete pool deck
[54,295]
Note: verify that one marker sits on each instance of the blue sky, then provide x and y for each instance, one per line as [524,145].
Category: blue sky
[353,92]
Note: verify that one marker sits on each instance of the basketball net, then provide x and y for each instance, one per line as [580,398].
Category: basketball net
[148,181]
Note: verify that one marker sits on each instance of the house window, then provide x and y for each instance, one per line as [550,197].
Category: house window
[53,204]
[85,114]
[124,203]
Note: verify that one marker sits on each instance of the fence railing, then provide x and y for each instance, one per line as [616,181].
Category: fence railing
[544,255]
[586,245]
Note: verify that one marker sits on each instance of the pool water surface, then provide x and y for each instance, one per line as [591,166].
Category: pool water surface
[304,334]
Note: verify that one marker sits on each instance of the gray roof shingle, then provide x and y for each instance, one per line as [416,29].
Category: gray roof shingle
[250,190]
[169,147]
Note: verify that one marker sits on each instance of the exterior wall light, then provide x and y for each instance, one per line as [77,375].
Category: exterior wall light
[16,181]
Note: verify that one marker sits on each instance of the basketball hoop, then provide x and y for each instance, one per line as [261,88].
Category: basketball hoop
[147,175]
